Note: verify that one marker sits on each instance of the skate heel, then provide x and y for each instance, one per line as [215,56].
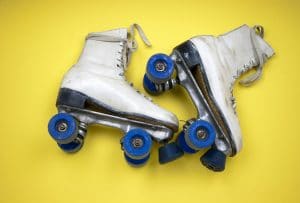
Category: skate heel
[72,98]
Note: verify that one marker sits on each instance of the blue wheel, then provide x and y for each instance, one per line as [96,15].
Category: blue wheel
[183,145]
[63,128]
[149,86]
[214,160]
[169,152]
[200,134]
[136,162]
[160,68]
[72,147]
[137,144]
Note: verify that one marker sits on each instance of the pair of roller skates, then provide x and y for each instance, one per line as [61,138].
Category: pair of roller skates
[95,91]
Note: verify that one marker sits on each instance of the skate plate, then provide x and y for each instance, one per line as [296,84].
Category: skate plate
[158,132]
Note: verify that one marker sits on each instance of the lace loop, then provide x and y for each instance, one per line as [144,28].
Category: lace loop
[252,78]
[259,30]
[132,41]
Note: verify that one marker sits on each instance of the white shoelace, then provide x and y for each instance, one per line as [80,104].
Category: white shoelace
[131,42]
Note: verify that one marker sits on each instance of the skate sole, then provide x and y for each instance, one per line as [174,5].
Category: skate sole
[77,99]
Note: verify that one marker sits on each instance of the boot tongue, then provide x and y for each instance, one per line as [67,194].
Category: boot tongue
[264,47]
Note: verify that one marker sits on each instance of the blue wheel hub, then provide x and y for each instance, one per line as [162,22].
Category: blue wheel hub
[137,144]
[63,128]
[160,68]
[200,134]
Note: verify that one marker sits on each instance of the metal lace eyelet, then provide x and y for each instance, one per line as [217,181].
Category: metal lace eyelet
[259,30]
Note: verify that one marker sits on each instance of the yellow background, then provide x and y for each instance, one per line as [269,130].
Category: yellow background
[39,41]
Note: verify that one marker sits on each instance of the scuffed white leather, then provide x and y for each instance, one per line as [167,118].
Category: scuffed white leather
[99,74]
[224,59]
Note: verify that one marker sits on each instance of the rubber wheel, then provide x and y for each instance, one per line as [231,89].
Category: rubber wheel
[63,128]
[169,152]
[136,162]
[180,141]
[71,147]
[160,68]
[137,144]
[214,160]
[200,134]
[149,86]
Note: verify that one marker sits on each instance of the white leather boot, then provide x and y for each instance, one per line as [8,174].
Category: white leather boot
[207,67]
[95,91]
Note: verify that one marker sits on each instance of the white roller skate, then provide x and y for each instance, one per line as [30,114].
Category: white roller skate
[207,68]
[95,91]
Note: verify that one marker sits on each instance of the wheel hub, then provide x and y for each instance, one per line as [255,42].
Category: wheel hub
[62,127]
[201,134]
[137,142]
[160,66]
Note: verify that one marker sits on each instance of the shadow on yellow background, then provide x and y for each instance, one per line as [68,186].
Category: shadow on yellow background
[40,41]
